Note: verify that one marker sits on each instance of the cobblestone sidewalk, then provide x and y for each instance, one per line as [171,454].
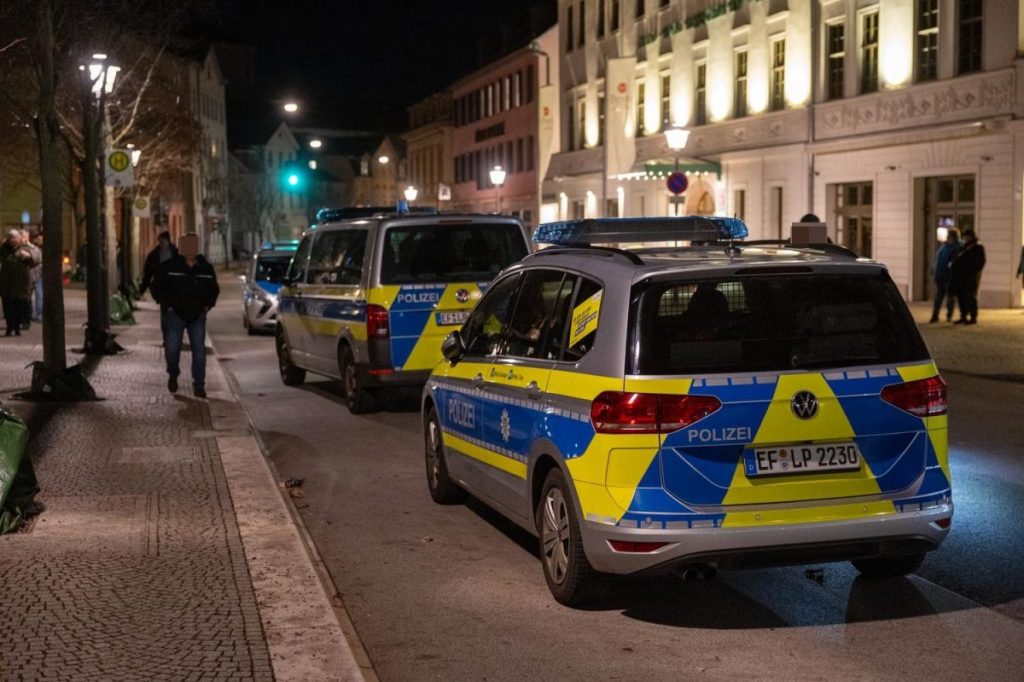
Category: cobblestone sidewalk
[138,568]
[993,348]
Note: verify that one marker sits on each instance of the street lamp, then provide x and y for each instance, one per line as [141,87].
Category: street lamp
[316,144]
[676,139]
[291,107]
[411,193]
[498,179]
[102,75]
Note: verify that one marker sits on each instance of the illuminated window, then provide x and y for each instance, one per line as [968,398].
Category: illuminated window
[869,53]
[778,75]
[969,55]
[927,40]
[740,93]
[640,107]
[666,87]
[836,57]
[700,94]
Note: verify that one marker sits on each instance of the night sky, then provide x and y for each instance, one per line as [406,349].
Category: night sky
[359,64]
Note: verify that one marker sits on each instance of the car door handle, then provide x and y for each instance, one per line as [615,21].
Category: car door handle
[533,391]
[478,380]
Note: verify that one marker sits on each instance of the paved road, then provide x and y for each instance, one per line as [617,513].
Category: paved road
[457,592]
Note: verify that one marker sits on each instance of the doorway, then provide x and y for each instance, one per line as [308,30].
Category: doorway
[853,208]
[944,203]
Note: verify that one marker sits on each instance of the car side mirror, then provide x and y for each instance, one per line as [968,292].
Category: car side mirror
[453,347]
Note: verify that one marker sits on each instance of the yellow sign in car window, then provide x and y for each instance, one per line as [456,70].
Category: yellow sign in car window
[584,318]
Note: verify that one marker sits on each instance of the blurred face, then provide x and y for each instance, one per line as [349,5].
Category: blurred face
[188,246]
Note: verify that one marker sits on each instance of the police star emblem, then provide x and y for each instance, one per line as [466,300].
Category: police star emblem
[506,427]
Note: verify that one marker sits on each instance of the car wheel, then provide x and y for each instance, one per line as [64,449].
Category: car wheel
[248,326]
[889,567]
[443,489]
[567,570]
[290,374]
[357,398]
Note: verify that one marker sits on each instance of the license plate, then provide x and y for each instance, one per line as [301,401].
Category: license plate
[798,459]
[449,319]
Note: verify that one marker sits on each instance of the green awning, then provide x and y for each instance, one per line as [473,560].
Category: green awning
[663,168]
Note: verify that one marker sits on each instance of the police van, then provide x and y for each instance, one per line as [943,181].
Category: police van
[368,300]
[723,404]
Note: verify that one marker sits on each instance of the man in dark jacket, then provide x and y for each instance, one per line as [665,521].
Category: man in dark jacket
[186,288]
[965,276]
[164,251]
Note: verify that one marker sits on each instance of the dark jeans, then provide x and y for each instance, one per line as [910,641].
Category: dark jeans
[942,292]
[174,329]
[968,303]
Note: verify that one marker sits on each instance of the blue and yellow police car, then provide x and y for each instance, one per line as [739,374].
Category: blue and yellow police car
[369,299]
[721,404]
[261,284]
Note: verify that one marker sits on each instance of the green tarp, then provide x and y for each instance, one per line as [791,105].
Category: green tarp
[120,310]
[18,484]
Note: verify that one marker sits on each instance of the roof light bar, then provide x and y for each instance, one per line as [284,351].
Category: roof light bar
[632,230]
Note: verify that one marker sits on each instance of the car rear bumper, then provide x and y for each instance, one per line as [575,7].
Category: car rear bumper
[880,535]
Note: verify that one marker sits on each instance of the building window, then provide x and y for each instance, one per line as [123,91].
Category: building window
[740,93]
[572,126]
[927,40]
[969,55]
[700,94]
[520,156]
[583,24]
[529,153]
[778,75]
[615,16]
[517,89]
[739,204]
[640,107]
[639,9]
[853,216]
[869,53]
[570,35]
[836,58]
[581,123]
[531,78]
[600,118]
[663,3]
[600,18]
[666,101]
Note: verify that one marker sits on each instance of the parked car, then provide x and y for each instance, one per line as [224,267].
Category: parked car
[261,284]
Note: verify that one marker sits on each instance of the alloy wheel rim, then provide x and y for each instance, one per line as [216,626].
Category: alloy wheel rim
[433,453]
[555,535]
[282,354]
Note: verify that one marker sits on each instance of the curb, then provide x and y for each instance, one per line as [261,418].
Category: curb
[309,636]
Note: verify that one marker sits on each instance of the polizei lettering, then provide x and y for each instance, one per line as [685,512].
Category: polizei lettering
[419,297]
[461,413]
[725,434]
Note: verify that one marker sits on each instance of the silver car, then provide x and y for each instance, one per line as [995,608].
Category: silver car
[262,286]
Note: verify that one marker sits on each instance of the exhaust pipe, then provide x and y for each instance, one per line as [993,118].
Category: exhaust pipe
[694,572]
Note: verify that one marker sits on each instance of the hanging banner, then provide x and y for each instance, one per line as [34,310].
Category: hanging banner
[140,207]
[547,109]
[620,118]
[119,169]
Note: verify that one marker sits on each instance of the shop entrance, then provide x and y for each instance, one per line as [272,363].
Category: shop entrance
[943,203]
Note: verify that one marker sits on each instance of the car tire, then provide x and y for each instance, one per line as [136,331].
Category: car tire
[443,489]
[248,326]
[569,575]
[889,567]
[290,374]
[357,398]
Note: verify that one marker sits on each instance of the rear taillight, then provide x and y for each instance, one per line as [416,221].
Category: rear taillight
[921,398]
[615,412]
[376,321]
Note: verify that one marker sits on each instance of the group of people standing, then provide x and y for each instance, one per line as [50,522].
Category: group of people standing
[21,280]
[958,266]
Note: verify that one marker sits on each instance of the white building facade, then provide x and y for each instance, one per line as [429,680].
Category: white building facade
[892,120]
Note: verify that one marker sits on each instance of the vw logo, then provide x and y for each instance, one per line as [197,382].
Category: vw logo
[462,295]
[804,404]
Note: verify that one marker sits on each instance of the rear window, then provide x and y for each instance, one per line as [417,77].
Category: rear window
[449,253]
[774,323]
[271,268]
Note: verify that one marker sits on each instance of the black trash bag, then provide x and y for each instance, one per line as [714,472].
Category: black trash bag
[67,385]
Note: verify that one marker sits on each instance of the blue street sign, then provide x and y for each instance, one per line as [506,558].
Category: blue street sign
[677,183]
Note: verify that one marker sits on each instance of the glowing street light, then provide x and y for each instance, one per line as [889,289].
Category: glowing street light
[498,179]
[411,193]
[101,74]
[291,107]
[383,159]
[316,144]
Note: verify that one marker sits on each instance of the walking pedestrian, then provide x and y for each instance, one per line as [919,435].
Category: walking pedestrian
[942,258]
[35,245]
[161,253]
[965,276]
[15,281]
[186,289]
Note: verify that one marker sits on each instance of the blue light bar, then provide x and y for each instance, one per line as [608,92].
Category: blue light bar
[634,230]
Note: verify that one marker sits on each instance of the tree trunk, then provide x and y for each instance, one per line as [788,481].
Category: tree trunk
[48,139]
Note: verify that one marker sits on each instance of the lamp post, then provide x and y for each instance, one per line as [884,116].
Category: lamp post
[498,179]
[676,139]
[411,193]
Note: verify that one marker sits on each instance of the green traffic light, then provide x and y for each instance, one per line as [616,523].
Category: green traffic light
[293,179]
